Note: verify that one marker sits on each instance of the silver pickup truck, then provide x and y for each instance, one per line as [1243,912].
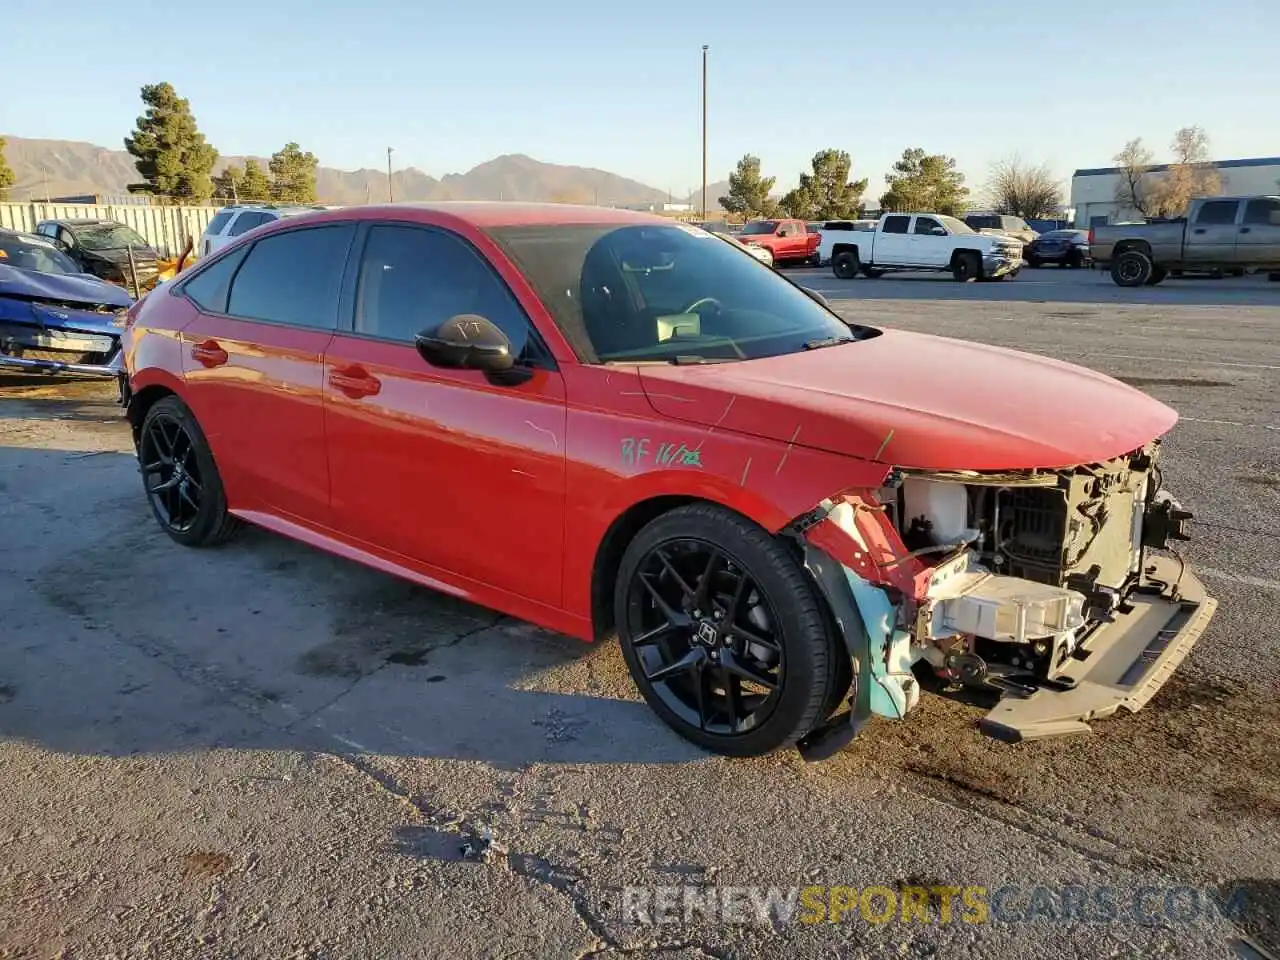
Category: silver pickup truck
[1219,234]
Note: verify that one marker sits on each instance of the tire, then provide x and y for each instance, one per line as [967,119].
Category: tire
[1157,274]
[845,264]
[785,617]
[1074,260]
[1034,262]
[814,261]
[966,267]
[187,497]
[1132,268]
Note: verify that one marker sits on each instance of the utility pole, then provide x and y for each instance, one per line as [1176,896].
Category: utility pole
[704,133]
[391,194]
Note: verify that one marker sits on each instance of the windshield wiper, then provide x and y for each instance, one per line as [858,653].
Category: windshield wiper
[826,342]
[681,361]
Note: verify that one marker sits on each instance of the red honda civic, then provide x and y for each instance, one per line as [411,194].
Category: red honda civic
[608,423]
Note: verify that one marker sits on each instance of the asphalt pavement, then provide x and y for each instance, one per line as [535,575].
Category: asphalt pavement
[264,751]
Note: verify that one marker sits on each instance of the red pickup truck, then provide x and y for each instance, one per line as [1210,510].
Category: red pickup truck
[788,240]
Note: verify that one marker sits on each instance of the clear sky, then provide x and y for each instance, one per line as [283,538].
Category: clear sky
[618,85]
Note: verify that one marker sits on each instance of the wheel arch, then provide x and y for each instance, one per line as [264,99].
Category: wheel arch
[957,253]
[845,247]
[147,389]
[1124,246]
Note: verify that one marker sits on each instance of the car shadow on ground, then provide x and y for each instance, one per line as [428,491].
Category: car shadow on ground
[1043,285]
[120,642]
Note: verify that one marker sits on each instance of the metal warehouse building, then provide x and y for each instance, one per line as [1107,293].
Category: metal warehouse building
[1093,192]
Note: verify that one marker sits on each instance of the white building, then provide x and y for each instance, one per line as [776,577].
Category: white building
[1093,192]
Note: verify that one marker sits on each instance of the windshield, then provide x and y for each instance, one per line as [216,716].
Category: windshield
[30,253]
[108,236]
[665,293]
[760,227]
[953,225]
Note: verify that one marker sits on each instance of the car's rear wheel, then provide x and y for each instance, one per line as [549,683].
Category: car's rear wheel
[845,264]
[1034,262]
[965,267]
[724,634]
[180,477]
[1131,268]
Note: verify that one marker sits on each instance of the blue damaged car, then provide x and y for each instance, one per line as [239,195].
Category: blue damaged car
[54,319]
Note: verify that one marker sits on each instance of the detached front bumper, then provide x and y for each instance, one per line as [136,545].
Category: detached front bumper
[1125,661]
[106,371]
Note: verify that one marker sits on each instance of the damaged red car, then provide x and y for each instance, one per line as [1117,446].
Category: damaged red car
[609,424]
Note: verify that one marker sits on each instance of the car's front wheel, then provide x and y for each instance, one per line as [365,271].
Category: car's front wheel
[724,634]
[181,480]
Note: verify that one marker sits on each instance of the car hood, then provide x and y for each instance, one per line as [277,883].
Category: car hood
[119,256]
[80,288]
[918,401]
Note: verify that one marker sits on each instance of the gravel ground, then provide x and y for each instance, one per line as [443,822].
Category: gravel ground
[263,751]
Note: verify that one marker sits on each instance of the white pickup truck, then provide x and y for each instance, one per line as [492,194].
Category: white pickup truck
[921,241]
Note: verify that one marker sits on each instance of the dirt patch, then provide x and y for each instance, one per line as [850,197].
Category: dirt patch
[1201,757]
[1171,382]
[206,864]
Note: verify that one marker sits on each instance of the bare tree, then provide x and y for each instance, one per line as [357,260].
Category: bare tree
[1133,191]
[1023,190]
[1191,174]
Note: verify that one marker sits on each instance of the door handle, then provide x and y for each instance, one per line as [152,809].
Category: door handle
[1244,229]
[209,353]
[355,382]
[1198,230]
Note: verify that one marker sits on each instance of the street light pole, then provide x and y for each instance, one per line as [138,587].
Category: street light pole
[391,196]
[704,133]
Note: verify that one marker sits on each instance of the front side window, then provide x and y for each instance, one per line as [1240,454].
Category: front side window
[926,224]
[677,294]
[413,279]
[293,277]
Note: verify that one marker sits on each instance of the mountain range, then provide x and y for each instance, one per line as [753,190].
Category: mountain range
[57,168]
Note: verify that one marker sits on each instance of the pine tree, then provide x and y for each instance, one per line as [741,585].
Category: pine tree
[924,182]
[169,150]
[749,192]
[293,175]
[827,193]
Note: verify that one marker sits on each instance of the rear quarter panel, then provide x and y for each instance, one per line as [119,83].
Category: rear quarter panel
[1165,240]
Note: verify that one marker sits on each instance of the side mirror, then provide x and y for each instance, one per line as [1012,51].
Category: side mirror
[466,342]
[938,231]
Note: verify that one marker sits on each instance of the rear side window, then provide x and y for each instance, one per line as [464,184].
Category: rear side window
[1218,212]
[895,225]
[414,279]
[246,222]
[208,287]
[293,277]
[219,221]
[1263,212]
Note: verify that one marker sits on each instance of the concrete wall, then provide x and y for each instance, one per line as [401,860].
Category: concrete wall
[1093,191]
[166,228]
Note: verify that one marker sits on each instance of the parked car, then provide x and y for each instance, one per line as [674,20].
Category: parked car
[763,254]
[647,435]
[835,231]
[925,241]
[230,222]
[788,240]
[104,248]
[1218,235]
[1002,223]
[1066,248]
[53,317]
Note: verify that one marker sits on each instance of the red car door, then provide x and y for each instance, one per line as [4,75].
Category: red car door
[445,467]
[252,358]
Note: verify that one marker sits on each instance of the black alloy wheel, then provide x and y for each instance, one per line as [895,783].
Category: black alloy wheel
[180,478]
[723,633]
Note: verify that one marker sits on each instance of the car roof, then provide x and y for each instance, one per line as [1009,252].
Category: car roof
[79,221]
[484,214]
